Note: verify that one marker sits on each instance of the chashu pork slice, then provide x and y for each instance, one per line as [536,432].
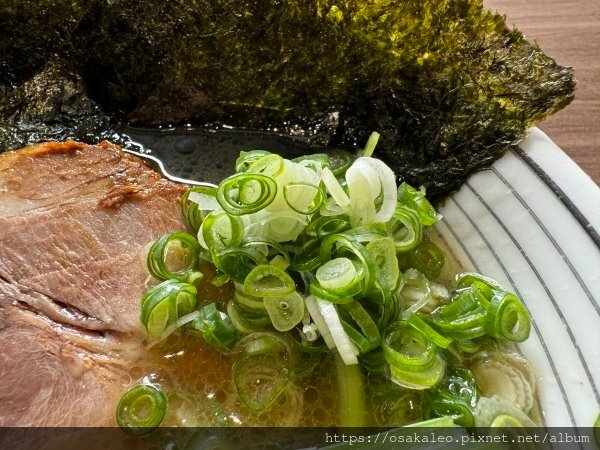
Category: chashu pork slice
[74,219]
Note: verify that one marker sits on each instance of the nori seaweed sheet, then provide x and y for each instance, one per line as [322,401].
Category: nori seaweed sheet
[446,83]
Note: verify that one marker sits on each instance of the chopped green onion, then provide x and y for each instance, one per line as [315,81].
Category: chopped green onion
[456,396]
[246,193]
[249,301]
[341,244]
[238,262]
[507,318]
[268,281]
[174,255]
[141,409]
[342,342]
[406,347]
[419,379]
[466,279]
[360,326]
[335,189]
[383,253]
[308,257]
[416,291]
[303,198]
[374,361]
[263,342]
[220,230]
[285,312]
[192,211]
[406,228]
[481,306]
[260,379]
[315,314]
[324,226]
[246,158]
[333,297]
[387,312]
[463,318]
[319,158]
[165,303]
[467,345]
[419,324]
[371,144]
[271,165]
[246,323]
[339,161]
[336,273]
[268,247]
[427,258]
[216,328]
[416,200]
[368,233]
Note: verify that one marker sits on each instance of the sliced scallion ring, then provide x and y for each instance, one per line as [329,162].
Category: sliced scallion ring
[455,396]
[422,379]
[271,165]
[216,328]
[308,257]
[383,253]
[316,158]
[272,247]
[355,315]
[407,348]
[285,312]
[428,258]
[419,324]
[507,318]
[220,230]
[246,158]
[303,198]
[324,226]
[141,409]
[260,379]
[246,193]
[267,280]
[336,273]
[165,303]
[416,200]
[238,262]
[243,322]
[339,161]
[333,297]
[174,255]
[193,211]
[340,244]
[467,279]
[406,228]
[344,345]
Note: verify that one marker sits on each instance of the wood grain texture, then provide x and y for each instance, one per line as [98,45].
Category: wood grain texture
[569,31]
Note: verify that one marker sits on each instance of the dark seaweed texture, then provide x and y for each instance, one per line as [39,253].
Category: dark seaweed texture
[445,82]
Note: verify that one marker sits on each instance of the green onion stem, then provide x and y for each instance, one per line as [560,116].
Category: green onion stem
[351,394]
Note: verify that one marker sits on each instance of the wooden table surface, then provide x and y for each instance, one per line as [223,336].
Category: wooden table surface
[569,31]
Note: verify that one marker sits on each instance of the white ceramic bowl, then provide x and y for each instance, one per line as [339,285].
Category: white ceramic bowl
[532,222]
